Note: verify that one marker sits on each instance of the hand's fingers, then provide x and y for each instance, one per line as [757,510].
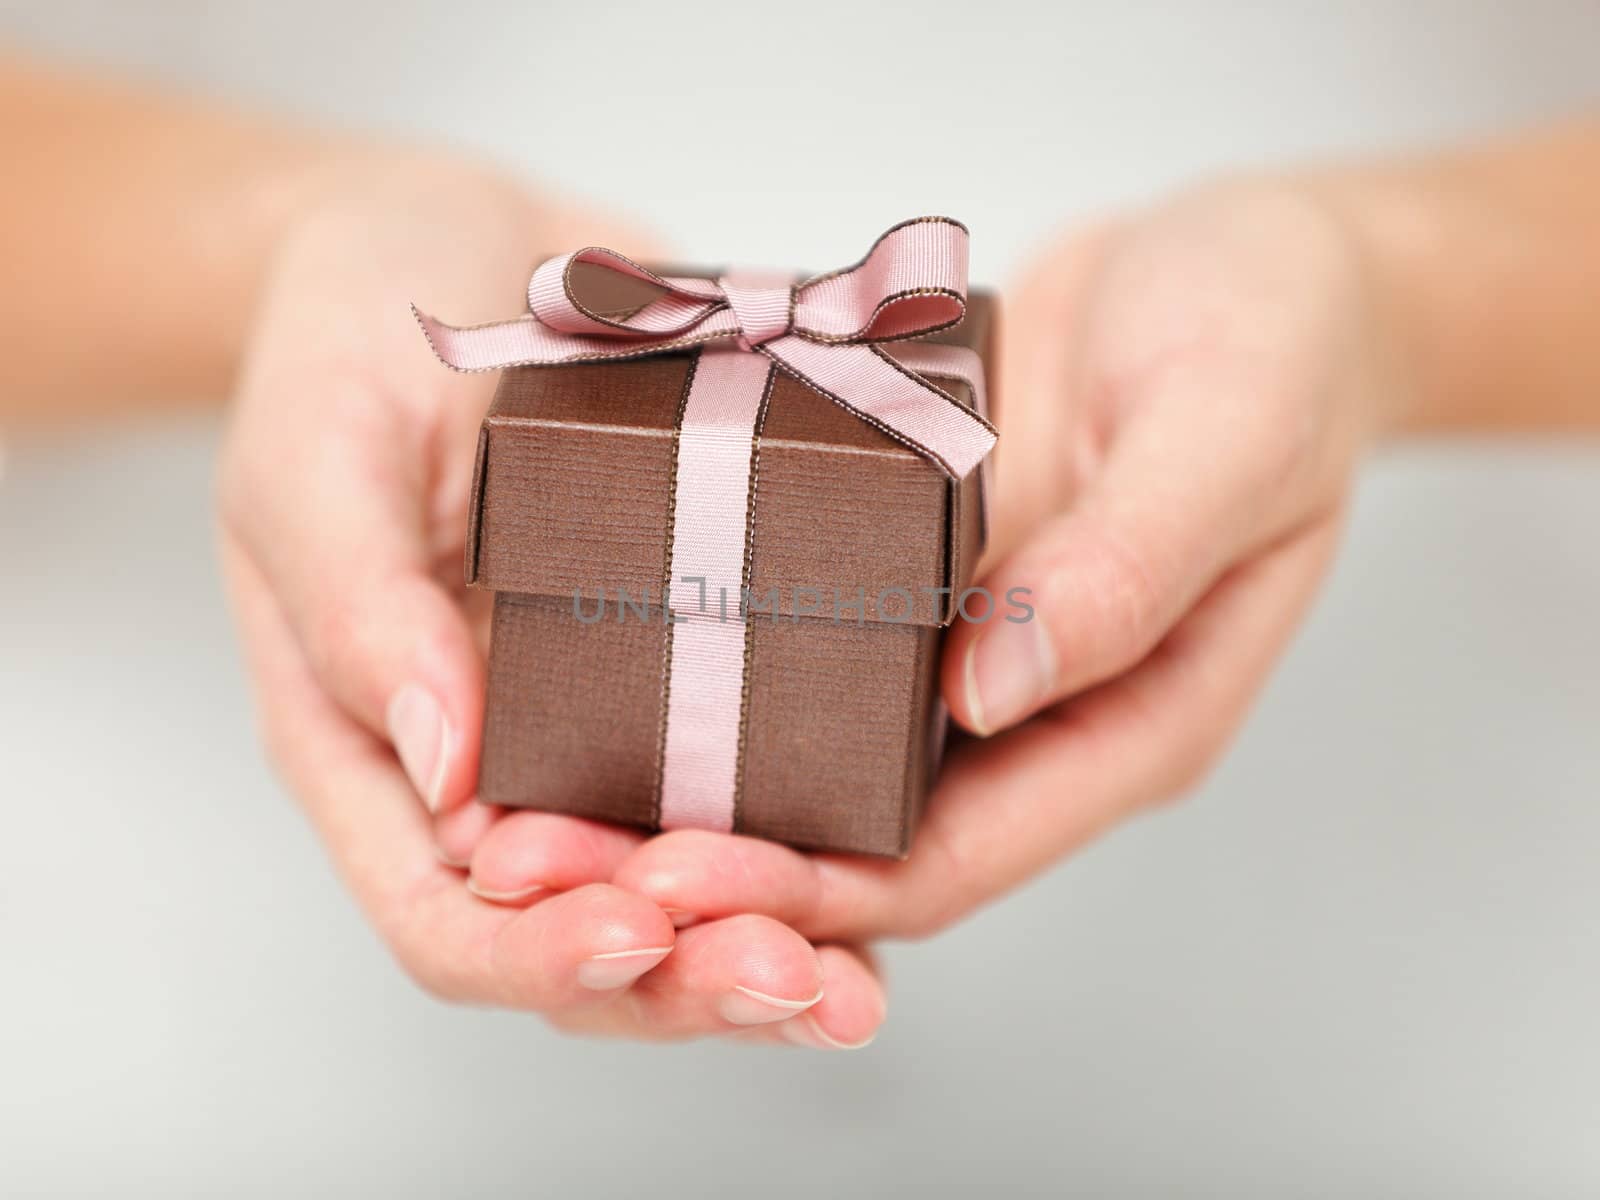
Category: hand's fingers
[574,949]
[1183,494]
[1009,806]
[339,524]
[556,955]
[714,875]
[850,1012]
[529,854]
[847,1017]
[728,975]
[1009,809]
[347,470]
[457,832]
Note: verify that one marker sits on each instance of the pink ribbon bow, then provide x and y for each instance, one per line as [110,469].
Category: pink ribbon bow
[826,332]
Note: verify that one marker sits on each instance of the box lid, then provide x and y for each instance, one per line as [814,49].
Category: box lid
[574,480]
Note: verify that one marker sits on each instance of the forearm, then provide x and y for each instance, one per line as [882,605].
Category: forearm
[1486,269]
[137,230]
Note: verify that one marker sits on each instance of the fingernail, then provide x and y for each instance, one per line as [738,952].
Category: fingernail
[603,972]
[680,918]
[423,740]
[1009,670]
[516,896]
[746,1006]
[807,1031]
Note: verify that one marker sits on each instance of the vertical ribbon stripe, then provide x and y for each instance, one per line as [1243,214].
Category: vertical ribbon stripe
[704,711]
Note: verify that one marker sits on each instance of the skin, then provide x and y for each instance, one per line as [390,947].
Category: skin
[1185,393]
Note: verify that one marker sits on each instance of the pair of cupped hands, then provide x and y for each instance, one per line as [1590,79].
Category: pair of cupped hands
[1182,394]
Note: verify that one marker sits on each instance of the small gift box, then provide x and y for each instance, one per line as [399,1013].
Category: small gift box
[725,520]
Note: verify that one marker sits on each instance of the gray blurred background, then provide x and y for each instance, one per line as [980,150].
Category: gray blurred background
[1363,961]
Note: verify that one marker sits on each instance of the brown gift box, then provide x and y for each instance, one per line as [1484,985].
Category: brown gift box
[854,532]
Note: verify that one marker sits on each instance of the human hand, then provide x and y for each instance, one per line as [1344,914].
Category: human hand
[1184,395]
[342,491]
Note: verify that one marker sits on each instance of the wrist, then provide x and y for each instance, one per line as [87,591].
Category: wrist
[1482,264]
[460,234]
[1378,224]
[390,186]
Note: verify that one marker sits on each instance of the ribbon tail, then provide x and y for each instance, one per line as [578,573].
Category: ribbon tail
[484,347]
[891,396]
[964,364]
[947,362]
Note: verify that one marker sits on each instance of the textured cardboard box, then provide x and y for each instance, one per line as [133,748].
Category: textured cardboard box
[570,517]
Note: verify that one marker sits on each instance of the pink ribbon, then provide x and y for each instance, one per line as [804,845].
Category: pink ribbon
[826,332]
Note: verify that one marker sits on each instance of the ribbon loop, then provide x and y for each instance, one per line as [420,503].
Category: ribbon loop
[598,291]
[913,281]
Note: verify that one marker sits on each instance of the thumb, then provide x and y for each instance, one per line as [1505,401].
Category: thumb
[1183,493]
[340,534]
